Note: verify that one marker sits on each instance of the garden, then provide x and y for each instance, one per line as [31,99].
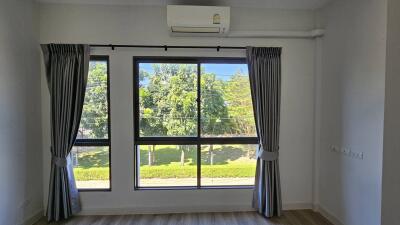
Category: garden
[229,161]
[168,107]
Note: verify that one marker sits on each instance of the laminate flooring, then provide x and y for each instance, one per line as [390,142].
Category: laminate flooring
[294,217]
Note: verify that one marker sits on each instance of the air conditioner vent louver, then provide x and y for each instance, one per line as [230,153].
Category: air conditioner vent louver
[212,30]
[185,20]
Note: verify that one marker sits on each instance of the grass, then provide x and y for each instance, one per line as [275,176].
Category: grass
[177,171]
[95,173]
[229,161]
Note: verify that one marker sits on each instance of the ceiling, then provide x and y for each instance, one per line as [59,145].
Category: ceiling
[274,4]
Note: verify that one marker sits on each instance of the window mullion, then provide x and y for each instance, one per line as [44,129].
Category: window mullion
[198,125]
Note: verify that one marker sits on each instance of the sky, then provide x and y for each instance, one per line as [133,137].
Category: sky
[223,71]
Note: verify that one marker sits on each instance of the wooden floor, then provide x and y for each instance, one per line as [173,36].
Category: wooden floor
[298,217]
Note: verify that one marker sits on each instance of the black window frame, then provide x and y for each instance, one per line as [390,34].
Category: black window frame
[106,142]
[194,141]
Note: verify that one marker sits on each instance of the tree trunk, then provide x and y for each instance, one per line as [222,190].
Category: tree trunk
[182,156]
[150,157]
[210,151]
[153,158]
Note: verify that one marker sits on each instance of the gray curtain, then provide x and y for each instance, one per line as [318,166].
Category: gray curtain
[265,81]
[66,72]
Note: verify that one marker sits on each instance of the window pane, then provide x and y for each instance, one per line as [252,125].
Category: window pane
[167,165]
[228,165]
[226,105]
[167,99]
[94,121]
[91,167]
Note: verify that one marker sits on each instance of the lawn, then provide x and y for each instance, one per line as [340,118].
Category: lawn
[228,161]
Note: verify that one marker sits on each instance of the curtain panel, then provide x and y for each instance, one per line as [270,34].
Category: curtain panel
[265,80]
[66,72]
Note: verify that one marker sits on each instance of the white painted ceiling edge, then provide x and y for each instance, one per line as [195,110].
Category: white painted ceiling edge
[269,4]
[276,34]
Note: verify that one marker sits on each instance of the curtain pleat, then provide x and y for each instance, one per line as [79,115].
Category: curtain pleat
[265,80]
[66,72]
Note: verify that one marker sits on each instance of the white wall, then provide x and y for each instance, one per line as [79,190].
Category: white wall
[147,25]
[20,114]
[352,109]
[391,150]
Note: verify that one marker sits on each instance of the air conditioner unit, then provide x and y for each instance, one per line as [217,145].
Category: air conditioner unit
[188,20]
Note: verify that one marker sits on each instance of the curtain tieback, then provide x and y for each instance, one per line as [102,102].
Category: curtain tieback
[58,161]
[267,155]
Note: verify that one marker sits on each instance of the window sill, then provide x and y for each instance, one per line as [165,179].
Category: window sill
[193,188]
[95,190]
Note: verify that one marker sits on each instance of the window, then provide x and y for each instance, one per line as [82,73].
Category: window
[194,123]
[91,152]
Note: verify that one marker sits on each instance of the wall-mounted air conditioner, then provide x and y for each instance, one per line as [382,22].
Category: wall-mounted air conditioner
[188,20]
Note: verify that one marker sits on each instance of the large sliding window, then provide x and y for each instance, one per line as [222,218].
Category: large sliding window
[194,123]
[91,152]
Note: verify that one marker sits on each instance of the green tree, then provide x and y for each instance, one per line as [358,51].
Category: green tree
[149,124]
[94,121]
[168,102]
[215,119]
[181,120]
[149,102]
[238,98]
[214,112]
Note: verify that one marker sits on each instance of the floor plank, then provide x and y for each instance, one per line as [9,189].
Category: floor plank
[295,217]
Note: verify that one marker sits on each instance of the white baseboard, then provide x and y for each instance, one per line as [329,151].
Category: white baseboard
[329,216]
[297,206]
[34,218]
[183,209]
[165,210]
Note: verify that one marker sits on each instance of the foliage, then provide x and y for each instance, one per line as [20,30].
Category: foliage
[150,122]
[95,173]
[180,99]
[177,171]
[173,171]
[230,161]
[240,107]
[214,111]
[168,107]
[168,102]
[94,121]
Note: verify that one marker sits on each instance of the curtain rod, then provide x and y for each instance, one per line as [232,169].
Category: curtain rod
[166,47]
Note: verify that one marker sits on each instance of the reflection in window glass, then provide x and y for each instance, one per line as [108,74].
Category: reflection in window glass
[167,99]
[227,165]
[91,167]
[167,165]
[226,105]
